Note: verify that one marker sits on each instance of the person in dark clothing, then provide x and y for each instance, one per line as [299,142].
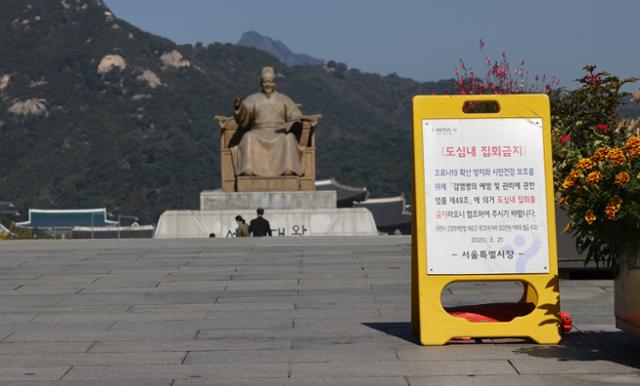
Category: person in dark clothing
[259,226]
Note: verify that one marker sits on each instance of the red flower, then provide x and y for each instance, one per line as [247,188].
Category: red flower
[564,139]
[567,322]
[601,127]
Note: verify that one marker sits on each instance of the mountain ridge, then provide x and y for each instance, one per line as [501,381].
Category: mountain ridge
[95,112]
[278,49]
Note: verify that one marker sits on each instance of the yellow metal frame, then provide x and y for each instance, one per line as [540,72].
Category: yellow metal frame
[429,319]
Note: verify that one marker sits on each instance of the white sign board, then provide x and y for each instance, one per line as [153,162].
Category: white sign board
[486,209]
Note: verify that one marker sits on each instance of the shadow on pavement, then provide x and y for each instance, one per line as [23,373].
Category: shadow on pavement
[618,347]
[403,330]
[398,329]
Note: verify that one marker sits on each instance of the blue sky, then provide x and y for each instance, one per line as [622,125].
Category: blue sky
[422,40]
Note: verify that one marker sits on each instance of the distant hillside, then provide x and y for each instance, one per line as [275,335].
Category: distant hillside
[95,112]
[630,108]
[277,49]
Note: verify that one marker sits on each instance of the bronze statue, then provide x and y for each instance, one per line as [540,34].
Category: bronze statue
[274,138]
[268,148]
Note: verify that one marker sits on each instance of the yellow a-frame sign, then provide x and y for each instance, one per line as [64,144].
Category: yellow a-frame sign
[483,210]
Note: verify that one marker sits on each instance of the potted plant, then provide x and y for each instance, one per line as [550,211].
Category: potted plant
[596,164]
[597,177]
[602,197]
[586,119]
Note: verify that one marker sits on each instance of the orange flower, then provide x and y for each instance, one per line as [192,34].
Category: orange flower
[632,146]
[586,163]
[633,153]
[615,200]
[633,141]
[568,228]
[622,178]
[589,217]
[581,202]
[571,179]
[594,177]
[612,208]
[563,201]
[600,154]
[616,157]
[610,213]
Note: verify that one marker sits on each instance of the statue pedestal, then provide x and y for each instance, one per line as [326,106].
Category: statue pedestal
[312,213]
[216,200]
[274,184]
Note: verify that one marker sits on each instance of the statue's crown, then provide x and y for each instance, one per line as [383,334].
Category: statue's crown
[267,72]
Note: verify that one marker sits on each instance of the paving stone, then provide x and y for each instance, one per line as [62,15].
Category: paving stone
[176,276]
[323,284]
[38,373]
[261,285]
[328,381]
[29,300]
[45,289]
[336,302]
[191,286]
[100,335]
[143,317]
[64,327]
[209,307]
[225,370]
[105,298]
[127,282]
[90,359]
[594,327]
[66,279]
[328,330]
[400,368]
[57,309]
[221,344]
[506,351]
[17,318]
[361,343]
[84,382]
[337,354]
[529,380]
[336,313]
[222,322]
[571,366]
[316,311]
[44,347]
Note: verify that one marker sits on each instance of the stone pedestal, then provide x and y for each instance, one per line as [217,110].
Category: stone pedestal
[284,222]
[312,213]
[217,200]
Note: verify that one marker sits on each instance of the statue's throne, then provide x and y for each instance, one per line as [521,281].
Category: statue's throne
[231,134]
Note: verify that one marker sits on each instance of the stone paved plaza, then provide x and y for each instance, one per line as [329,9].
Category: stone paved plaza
[309,311]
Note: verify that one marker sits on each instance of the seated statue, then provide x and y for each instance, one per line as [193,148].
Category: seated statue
[268,147]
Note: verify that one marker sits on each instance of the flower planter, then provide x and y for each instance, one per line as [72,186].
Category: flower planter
[568,256]
[627,294]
